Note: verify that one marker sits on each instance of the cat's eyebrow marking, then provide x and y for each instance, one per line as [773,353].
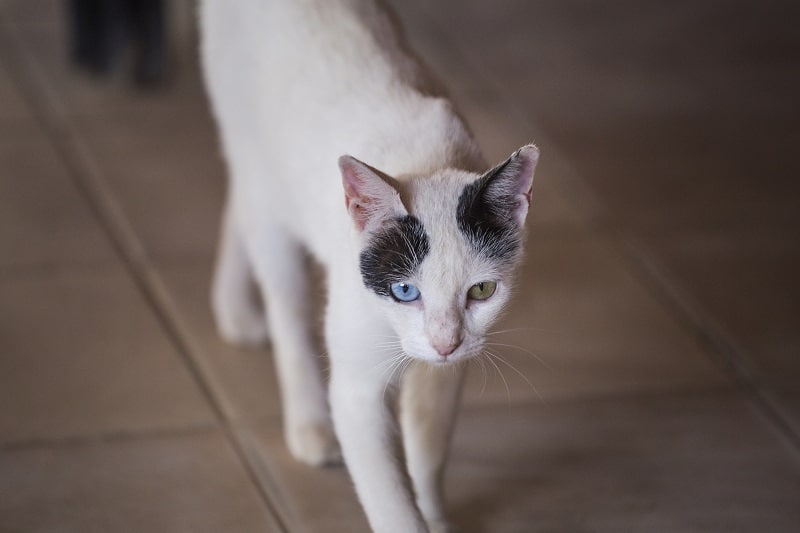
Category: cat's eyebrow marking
[483,216]
[394,254]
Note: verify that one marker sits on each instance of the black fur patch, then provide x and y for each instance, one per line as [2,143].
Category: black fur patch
[485,215]
[394,254]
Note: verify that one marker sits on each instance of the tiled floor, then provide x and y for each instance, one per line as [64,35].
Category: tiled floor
[657,322]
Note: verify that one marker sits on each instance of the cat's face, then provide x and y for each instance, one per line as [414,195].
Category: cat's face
[440,251]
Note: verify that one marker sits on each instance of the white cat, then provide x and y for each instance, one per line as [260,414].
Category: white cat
[419,243]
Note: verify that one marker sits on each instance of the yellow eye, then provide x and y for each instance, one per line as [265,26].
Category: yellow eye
[482,290]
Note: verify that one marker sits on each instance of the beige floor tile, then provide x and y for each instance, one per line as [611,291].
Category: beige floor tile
[788,403]
[246,376]
[43,218]
[35,12]
[75,93]
[311,499]
[166,171]
[582,325]
[184,483]
[83,354]
[740,278]
[688,462]
[12,106]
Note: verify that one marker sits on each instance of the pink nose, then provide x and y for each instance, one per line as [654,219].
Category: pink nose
[446,348]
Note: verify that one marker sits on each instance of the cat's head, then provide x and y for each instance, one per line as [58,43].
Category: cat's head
[440,251]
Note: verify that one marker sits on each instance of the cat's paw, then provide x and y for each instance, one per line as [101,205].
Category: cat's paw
[315,444]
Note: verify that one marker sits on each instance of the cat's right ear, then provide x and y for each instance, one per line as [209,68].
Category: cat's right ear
[369,195]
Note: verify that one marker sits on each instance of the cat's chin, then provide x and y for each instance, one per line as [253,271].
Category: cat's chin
[444,360]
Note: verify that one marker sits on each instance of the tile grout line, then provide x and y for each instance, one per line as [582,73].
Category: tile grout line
[710,335]
[679,390]
[733,361]
[87,178]
[105,437]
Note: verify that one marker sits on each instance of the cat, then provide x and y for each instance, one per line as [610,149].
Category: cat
[340,144]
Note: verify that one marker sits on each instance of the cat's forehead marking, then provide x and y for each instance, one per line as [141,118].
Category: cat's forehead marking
[480,218]
[455,208]
[451,261]
[394,254]
[434,199]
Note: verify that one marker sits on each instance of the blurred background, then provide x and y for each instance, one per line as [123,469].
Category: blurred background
[649,379]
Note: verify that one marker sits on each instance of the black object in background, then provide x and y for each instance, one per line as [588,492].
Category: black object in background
[101,30]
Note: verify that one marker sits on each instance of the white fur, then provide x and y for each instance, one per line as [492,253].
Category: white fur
[294,85]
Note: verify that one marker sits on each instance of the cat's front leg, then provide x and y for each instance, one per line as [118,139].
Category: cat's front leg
[368,434]
[428,407]
[281,270]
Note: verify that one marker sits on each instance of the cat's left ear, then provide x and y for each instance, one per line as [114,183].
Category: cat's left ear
[507,187]
[371,196]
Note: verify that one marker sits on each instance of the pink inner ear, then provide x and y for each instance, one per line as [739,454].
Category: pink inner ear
[359,214]
[527,158]
[367,196]
[353,182]
[350,178]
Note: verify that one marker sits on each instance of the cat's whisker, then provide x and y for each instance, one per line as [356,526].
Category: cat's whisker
[515,369]
[521,349]
[408,362]
[392,361]
[485,376]
[500,373]
[389,361]
[387,366]
[388,350]
[391,344]
[385,349]
[387,343]
[389,381]
[479,360]
[455,367]
[392,336]
[510,330]
[525,329]
[398,362]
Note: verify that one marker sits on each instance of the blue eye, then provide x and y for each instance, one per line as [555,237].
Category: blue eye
[404,292]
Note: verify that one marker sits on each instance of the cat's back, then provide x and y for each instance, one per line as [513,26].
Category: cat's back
[286,48]
[296,83]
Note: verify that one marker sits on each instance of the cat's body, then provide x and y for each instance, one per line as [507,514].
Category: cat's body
[295,84]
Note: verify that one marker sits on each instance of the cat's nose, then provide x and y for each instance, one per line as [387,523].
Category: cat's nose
[447,347]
